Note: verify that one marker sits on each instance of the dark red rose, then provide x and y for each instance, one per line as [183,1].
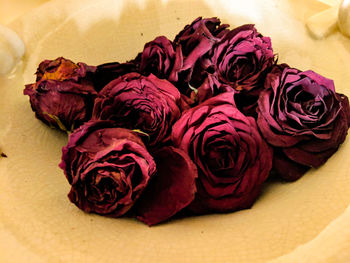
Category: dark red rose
[107,72]
[242,59]
[172,189]
[192,44]
[63,95]
[108,168]
[62,69]
[134,101]
[232,158]
[158,58]
[200,35]
[302,116]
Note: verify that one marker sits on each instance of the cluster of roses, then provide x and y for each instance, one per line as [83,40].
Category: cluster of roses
[196,124]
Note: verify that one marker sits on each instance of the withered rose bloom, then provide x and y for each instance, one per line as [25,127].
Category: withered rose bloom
[198,38]
[62,69]
[158,58]
[172,189]
[232,158]
[242,59]
[107,72]
[192,44]
[302,116]
[63,95]
[108,168]
[138,102]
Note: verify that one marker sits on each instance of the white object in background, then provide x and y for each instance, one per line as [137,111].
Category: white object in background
[344,17]
[324,23]
[11,49]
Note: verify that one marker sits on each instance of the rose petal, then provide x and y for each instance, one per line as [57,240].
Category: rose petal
[172,189]
[286,168]
[320,80]
[308,158]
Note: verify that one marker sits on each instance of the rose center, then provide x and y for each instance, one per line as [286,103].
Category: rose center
[106,186]
[240,70]
[220,157]
[310,105]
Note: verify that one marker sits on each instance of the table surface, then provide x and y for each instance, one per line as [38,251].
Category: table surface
[11,9]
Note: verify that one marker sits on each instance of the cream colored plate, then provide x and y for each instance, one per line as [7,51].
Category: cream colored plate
[305,221]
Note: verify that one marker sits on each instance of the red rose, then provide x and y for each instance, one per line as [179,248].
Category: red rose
[108,168]
[303,118]
[242,59]
[107,72]
[158,58]
[64,94]
[138,102]
[232,158]
[192,44]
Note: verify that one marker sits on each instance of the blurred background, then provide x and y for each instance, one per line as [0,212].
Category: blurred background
[11,9]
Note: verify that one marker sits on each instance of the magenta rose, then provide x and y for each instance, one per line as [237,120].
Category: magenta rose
[198,38]
[108,168]
[192,45]
[107,72]
[138,102]
[62,69]
[158,58]
[63,95]
[242,59]
[303,118]
[232,158]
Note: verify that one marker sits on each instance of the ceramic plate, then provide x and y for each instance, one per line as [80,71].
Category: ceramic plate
[304,221]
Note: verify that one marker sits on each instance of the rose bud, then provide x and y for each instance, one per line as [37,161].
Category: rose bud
[192,44]
[172,189]
[158,58]
[137,102]
[242,59]
[301,115]
[62,69]
[63,95]
[108,168]
[197,38]
[232,158]
[107,72]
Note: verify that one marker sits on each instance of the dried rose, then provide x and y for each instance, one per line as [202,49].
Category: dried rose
[107,72]
[232,158]
[172,189]
[242,59]
[302,116]
[108,168]
[210,27]
[198,38]
[62,69]
[134,101]
[192,44]
[63,95]
[158,58]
